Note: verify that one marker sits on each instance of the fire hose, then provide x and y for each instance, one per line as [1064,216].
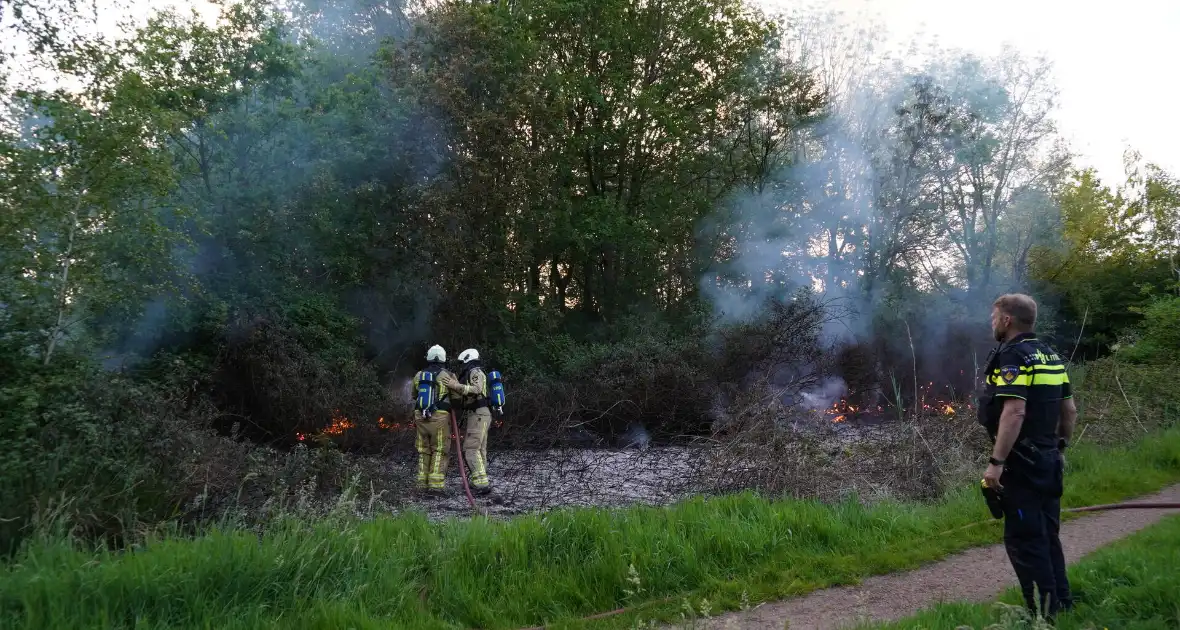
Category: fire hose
[459,455]
[1146,505]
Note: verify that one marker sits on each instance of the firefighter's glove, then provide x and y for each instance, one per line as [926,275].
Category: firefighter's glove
[450,382]
[994,499]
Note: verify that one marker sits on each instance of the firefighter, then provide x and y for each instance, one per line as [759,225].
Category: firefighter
[433,431]
[1028,410]
[472,390]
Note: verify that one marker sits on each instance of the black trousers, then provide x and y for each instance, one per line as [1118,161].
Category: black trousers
[1032,524]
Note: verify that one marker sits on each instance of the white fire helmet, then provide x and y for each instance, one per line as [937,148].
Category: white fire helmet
[436,353]
[469,355]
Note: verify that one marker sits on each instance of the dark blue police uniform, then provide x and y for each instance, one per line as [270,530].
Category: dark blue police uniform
[1029,369]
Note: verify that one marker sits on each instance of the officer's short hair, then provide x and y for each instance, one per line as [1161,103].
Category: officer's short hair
[1022,308]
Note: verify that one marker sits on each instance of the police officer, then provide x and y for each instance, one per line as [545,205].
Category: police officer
[1029,413]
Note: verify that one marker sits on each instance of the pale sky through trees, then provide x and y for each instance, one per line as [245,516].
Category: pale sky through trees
[1114,62]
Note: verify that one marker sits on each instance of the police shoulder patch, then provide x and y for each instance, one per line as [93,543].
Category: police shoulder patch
[1009,373]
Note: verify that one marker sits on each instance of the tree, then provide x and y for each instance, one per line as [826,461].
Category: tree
[86,229]
[1098,268]
[588,141]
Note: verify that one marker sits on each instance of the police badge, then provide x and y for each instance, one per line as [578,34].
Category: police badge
[1009,373]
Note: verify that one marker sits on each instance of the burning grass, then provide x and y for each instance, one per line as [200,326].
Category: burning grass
[846,444]
[406,572]
[799,453]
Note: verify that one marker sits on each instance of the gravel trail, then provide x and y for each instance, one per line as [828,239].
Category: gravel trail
[976,575]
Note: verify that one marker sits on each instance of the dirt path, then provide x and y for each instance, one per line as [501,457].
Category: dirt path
[976,575]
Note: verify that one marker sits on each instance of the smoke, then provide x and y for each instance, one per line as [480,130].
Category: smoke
[351,28]
[325,175]
[404,389]
[144,338]
[636,437]
[855,212]
[825,394]
[855,202]
[391,329]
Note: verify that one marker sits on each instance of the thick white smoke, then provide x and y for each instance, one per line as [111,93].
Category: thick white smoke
[825,394]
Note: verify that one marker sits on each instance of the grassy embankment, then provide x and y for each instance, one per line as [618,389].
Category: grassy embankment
[1133,583]
[407,572]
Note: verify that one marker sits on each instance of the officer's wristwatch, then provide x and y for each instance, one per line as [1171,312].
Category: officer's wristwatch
[995,462]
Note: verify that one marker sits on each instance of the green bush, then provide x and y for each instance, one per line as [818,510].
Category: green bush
[282,372]
[97,453]
[1158,338]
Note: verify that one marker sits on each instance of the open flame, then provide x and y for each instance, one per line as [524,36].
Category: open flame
[841,410]
[340,423]
[929,402]
[386,425]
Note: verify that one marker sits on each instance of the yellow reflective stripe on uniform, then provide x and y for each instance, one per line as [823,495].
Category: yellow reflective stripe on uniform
[1050,378]
[1029,369]
[1043,368]
[1033,375]
[480,474]
[439,442]
[1023,379]
[423,455]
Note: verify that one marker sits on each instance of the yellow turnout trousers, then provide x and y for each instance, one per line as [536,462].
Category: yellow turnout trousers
[475,445]
[434,446]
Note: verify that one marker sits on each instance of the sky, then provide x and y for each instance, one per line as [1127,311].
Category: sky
[1114,62]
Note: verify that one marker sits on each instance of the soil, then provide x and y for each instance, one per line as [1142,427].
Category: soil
[977,575]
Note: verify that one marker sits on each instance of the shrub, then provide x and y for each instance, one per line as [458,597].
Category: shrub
[672,382]
[96,453]
[284,373]
[1158,338]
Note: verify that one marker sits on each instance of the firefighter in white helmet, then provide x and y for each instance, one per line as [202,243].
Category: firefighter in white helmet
[433,425]
[471,390]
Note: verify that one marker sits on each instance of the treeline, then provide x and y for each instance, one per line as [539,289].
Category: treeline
[248,226]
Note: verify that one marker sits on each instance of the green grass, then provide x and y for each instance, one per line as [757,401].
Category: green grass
[405,572]
[1133,583]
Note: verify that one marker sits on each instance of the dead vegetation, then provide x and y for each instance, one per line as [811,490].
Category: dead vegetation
[764,406]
